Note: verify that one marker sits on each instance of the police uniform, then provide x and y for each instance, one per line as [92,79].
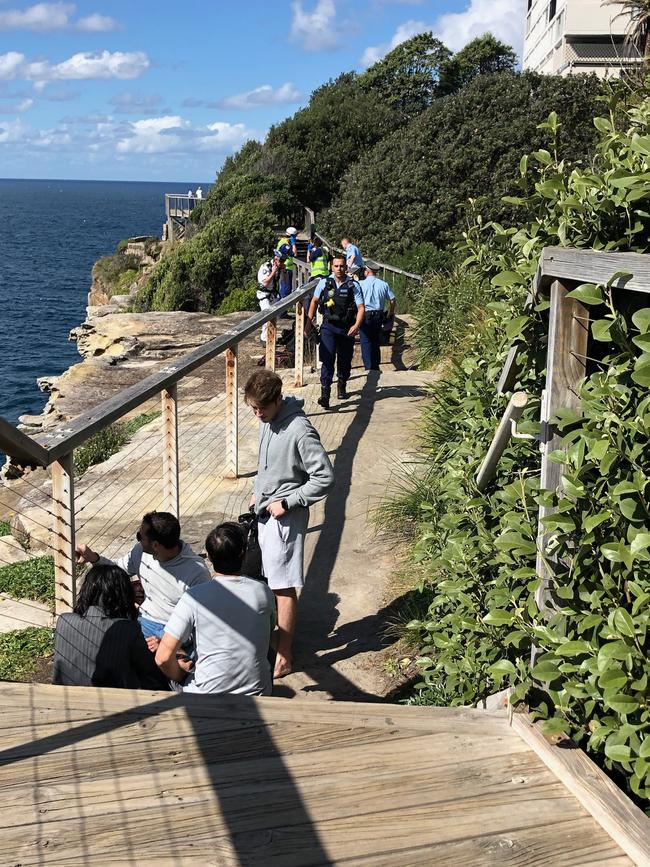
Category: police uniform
[319,259]
[287,247]
[338,303]
[376,294]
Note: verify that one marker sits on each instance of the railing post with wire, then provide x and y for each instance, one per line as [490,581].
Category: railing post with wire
[271,334]
[171,493]
[299,345]
[232,414]
[65,589]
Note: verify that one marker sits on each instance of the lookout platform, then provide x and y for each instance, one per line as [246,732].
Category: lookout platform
[102,776]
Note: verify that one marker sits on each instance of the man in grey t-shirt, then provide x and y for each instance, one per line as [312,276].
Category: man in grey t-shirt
[230,620]
[165,565]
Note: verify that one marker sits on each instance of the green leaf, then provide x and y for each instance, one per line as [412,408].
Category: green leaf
[641,373]
[502,667]
[613,678]
[498,617]
[601,330]
[612,552]
[523,165]
[507,278]
[621,703]
[555,726]
[545,670]
[543,156]
[642,319]
[623,623]
[573,648]
[603,124]
[640,542]
[588,293]
[516,326]
[618,752]
[644,749]
[596,520]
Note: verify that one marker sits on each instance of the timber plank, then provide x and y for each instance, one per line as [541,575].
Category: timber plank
[592,266]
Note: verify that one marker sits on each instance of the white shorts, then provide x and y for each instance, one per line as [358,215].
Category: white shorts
[282,541]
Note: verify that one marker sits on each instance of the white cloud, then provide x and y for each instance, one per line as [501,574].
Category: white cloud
[264,95]
[173,134]
[42,16]
[12,131]
[79,67]
[502,18]
[134,103]
[16,107]
[315,30]
[97,23]
[10,64]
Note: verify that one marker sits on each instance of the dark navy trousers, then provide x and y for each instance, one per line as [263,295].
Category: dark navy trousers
[335,350]
[370,337]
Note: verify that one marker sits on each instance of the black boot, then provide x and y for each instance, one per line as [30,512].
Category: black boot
[341,393]
[324,399]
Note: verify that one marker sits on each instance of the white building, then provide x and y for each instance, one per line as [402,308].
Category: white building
[564,37]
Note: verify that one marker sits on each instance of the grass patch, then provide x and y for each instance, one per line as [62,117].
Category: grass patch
[31,579]
[102,445]
[21,651]
[5,528]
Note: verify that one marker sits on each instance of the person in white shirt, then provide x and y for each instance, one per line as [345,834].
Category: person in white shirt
[199,193]
[229,620]
[165,565]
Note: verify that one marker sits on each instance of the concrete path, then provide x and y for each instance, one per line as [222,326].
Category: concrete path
[349,566]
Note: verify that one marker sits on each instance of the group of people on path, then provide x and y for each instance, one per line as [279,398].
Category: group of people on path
[348,304]
[158,618]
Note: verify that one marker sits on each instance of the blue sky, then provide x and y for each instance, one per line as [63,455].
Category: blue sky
[162,90]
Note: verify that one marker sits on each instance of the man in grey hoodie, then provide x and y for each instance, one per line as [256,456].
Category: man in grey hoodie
[293,472]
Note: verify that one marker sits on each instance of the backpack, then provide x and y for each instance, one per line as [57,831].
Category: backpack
[337,303]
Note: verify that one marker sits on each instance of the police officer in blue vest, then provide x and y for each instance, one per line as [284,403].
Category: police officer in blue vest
[376,295]
[340,300]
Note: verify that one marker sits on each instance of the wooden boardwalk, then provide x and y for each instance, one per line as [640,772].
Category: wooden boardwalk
[116,777]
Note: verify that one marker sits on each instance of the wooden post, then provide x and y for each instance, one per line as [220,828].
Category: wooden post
[299,345]
[65,581]
[568,334]
[271,334]
[232,414]
[170,450]
[513,412]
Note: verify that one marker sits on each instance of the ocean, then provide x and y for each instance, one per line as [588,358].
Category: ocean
[52,233]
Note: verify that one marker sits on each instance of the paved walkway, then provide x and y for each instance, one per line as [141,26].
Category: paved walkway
[349,565]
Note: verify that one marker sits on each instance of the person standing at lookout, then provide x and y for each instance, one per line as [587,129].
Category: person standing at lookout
[340,300]
[376,295]
[289,249]
[353,257]
[293,473]
[268,283]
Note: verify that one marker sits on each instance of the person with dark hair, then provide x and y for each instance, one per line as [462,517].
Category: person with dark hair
[100,642]
[228,619]
[293,472]
[165,565]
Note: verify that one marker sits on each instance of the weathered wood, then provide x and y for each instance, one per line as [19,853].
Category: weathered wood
[513,412]
[271,338]
[18,445]
[171,488]
[299,346]
[65,592]
[62,440]
[232,415]
[565,370]
[616,814]
[570,264]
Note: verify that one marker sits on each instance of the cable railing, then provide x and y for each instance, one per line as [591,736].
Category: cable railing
[181,461]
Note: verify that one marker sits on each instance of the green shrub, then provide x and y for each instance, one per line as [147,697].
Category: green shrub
[109,270]
[122,245]
[5,528]
[479,549]
[100,446]
[30,579]
[238,299]
[22,650]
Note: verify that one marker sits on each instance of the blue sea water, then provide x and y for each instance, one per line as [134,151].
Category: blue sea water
[52,233]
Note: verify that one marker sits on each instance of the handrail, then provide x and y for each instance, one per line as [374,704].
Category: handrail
[62,440]
[593,266]
[382,265]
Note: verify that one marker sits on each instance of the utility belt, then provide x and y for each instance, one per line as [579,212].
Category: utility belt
[266,290]
[372,315]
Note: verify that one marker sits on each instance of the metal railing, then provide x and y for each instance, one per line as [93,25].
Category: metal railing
[58,512]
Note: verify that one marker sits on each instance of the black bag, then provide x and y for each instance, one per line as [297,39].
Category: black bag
[252,565]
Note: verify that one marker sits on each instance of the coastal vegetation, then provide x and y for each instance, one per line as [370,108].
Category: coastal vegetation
[389,156]
[107,442]
[29,579]
[23,651]
[474,551]
[114,274]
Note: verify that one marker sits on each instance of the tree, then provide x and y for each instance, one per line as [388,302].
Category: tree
[408,77]
[638,28]
[481,56]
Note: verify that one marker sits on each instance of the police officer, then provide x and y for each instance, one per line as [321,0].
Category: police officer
[289,249]
[340,300]
[376,294]
[318,256]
